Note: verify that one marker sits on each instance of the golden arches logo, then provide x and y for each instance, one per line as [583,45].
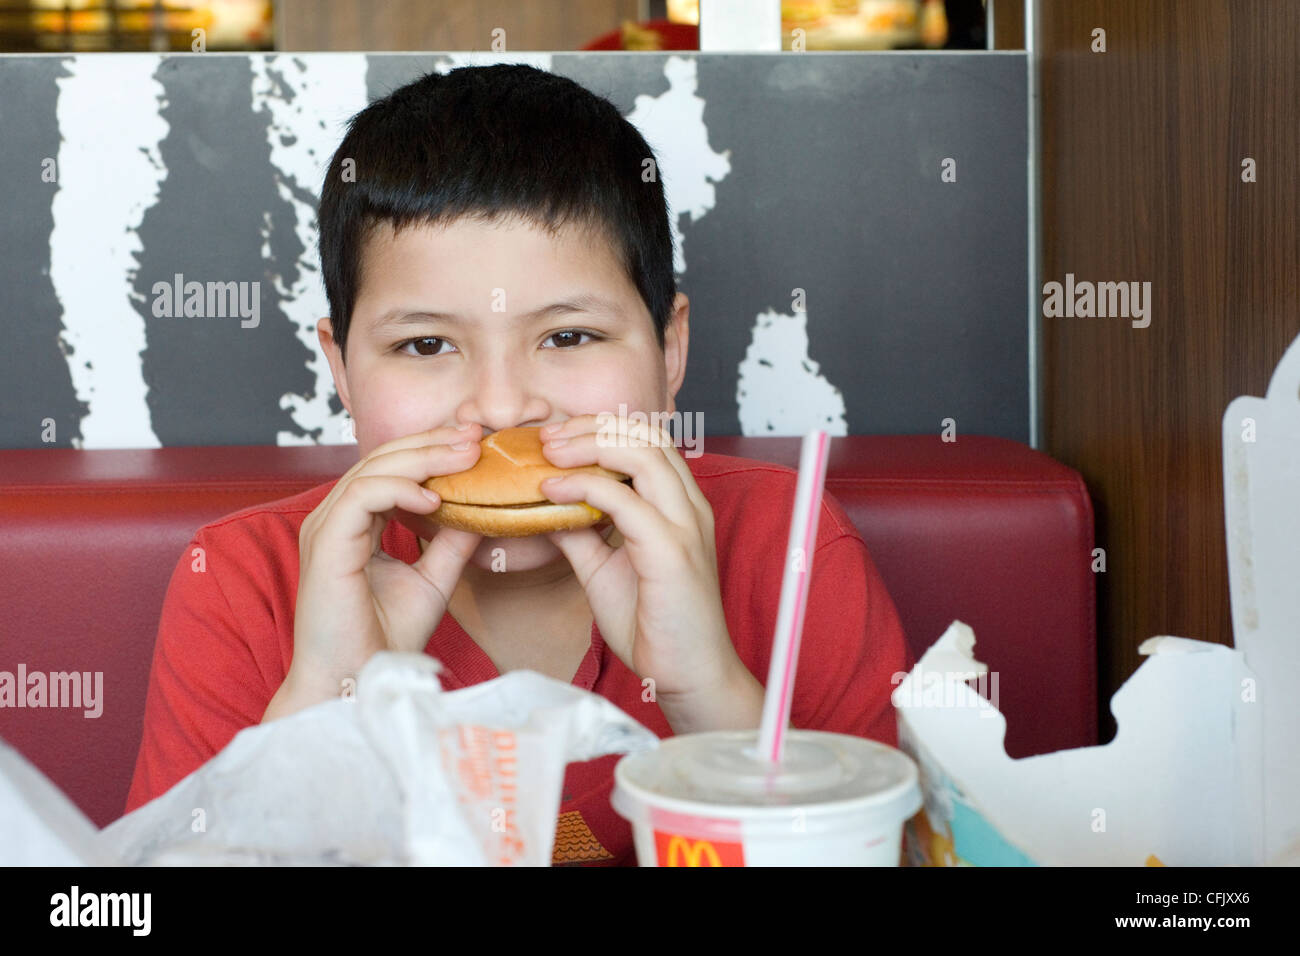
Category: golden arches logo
[693,851]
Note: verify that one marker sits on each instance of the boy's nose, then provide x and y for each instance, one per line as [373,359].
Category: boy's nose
[502,398]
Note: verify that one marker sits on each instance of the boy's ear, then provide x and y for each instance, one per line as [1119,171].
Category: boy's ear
[334,355]
[677,337]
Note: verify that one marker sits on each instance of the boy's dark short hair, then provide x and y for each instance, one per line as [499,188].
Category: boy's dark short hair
[492,142]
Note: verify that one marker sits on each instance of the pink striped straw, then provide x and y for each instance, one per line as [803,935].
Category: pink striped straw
[794,595]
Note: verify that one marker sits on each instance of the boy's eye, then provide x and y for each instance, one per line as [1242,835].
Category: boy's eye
[428,345]
[569,338]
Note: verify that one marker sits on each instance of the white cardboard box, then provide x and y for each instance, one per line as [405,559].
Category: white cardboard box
[1204,769]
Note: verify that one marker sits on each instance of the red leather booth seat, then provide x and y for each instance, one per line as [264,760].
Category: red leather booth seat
[982,529]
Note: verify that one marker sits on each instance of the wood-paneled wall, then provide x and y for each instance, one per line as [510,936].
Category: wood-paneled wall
[1008,24]
[1142,149]
[393,25]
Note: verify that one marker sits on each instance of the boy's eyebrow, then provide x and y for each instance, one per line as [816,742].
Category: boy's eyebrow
[586,302]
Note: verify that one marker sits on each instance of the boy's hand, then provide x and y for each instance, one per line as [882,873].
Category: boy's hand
[656,599]
[353,598]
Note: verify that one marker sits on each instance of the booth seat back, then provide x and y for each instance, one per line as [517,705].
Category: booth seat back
[983,530]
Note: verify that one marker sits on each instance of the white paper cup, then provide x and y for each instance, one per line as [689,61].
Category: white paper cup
[708,800]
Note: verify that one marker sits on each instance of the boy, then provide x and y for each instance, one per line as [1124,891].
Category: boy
[498,260]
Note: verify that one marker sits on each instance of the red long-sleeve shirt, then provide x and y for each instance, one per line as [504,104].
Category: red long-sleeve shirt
[226,639]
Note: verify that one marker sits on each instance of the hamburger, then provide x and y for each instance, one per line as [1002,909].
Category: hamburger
[501,496]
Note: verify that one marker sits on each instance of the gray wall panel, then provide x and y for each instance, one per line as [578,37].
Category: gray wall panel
[816,171]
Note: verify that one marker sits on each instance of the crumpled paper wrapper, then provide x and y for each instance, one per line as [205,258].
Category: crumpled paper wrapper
[402,773]
[39,826]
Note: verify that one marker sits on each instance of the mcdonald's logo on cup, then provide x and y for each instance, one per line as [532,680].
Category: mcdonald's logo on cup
[673,849]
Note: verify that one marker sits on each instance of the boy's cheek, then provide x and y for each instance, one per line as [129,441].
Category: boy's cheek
[381,419]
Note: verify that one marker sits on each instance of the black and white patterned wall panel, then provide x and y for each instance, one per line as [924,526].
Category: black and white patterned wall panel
[889,188]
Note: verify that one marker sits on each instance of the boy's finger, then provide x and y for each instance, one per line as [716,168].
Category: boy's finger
[416,463]
[606,423]
[653,476]
[573,426]
[444,559]
[674,458]
[352,518]
[585,550]
[637,432]
[637,519]
[444,435]
[612,431]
